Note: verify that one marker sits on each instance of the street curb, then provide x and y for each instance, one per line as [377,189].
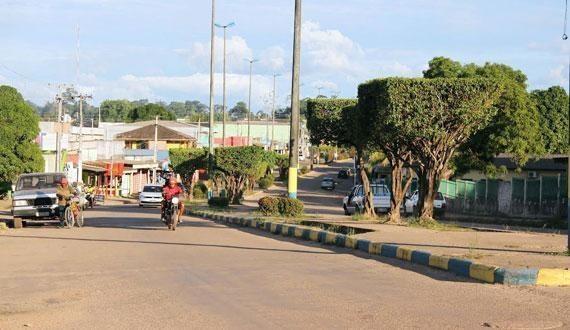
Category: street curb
[460,267]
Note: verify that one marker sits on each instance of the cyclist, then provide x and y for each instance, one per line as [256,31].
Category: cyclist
[64,193]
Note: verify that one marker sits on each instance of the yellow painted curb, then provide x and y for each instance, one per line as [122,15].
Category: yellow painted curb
[553,277]
[374,248]
[330,238]
[284,230]
[273,227]
[350,242]
[404,253]
[298,232]
[439,262]
[314,235]
[482,272]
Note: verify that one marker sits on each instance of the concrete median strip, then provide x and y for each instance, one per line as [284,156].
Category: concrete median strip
[460,267]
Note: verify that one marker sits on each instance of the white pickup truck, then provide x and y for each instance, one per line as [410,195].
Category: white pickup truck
[353,202]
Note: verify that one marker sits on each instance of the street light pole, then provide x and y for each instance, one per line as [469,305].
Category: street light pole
[275,75]
[224,84]
[251,61]
[294,133]
[211,119]
[80,150]
[565,37]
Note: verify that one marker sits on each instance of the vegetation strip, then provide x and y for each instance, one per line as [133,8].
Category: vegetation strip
[459,267]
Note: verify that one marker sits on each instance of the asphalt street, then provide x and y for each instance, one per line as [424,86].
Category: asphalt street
[125,270]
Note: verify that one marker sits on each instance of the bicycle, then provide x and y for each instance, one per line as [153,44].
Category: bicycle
[73,213]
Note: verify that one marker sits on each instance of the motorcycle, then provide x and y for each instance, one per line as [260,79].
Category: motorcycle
[171,213]
[90,199]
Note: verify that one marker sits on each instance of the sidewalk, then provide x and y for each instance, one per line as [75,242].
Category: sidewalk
[503,248]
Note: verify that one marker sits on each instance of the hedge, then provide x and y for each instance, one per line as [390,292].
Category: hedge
[219,202]
[265,182]
[284,206]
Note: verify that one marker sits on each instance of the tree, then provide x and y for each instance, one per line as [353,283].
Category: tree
[186,161]
[149,112]
[394,145]
[433,117]
[235,165]
[552,106]
[115,110]
[239,111]
[18,130]
[443,67]
[514,129]
[336,122]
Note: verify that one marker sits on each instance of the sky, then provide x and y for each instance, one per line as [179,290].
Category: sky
[159,50]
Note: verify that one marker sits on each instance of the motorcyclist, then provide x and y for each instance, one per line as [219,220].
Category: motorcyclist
[170,190]
[64,193]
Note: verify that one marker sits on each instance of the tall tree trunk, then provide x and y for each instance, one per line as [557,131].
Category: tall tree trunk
[428,189]
[398,190]
[369,198]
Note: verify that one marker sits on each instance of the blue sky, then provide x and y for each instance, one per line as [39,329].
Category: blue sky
[160,49]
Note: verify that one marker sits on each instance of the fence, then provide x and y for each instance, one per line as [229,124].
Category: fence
[544,196]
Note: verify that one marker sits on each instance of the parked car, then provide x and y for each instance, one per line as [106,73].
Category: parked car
[328,183]
[34,199]
[439,203]
[353,202]
[151,195]
[345,173]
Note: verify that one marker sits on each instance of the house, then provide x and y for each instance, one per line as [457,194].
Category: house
[143,138]
[552,165]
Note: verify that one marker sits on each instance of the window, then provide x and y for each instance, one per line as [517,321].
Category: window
[38,182]
[379,190]
[153,189]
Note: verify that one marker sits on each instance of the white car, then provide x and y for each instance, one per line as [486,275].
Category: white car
[439,203]
[151,195]
[328,183]
[353,202]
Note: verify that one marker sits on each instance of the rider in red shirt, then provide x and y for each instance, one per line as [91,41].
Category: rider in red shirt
[172,189]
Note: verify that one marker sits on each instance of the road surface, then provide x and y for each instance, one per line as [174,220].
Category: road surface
[126,270]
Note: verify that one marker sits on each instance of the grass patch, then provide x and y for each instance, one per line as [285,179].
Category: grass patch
[433,225]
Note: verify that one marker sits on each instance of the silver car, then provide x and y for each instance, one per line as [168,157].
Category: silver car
[151,195]
[34,198]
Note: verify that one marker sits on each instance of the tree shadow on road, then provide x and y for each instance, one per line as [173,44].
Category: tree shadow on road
[121,241]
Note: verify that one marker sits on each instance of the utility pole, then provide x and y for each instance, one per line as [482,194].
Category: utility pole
[294,133]
[99,122]
[81,97]
[224,85]
[59,131]
[565,37]
[211,121]
[275,75]
[155,154]
[251,61]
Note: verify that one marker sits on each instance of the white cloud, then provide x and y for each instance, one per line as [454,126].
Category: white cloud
[330,50]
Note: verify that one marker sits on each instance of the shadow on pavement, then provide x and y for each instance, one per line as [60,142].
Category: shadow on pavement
[166,243]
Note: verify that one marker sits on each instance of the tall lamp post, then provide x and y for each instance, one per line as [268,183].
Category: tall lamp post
[211,118]
[294,133]
[275,75]
[565,37]
[224,83]
[251,61]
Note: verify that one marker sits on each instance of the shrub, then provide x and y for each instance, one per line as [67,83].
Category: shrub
[265,182]
[269,205]
[305,170]
[200,190]
[219,202]
[290,207]
[283,206]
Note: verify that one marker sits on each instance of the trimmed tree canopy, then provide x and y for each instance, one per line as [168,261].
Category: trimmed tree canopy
[433,116]
[324,120]
[18,129]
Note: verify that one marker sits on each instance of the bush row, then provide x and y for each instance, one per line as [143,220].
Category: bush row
[266,182]
[284,206]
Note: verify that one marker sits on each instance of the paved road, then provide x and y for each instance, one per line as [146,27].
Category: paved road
[126,270]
